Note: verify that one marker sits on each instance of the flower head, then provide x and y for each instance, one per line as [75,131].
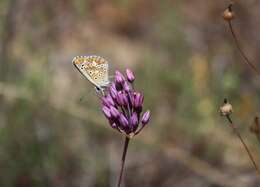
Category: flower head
[122,105]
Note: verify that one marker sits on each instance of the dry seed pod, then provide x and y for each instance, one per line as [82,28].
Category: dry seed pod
[226,108]
[228,14]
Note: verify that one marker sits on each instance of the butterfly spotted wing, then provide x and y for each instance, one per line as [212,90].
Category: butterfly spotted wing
[94,68]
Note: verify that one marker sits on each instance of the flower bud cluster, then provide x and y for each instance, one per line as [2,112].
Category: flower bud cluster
[123,106]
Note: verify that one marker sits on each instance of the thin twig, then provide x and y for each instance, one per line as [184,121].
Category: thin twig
[244,144]
[247,61]
[258,138]
[123,161]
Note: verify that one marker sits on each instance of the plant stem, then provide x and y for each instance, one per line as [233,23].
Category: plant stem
[244,144]
[123,161]
[258,138]
[247,61]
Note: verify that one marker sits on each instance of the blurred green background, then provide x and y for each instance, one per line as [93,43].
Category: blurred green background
[52,130]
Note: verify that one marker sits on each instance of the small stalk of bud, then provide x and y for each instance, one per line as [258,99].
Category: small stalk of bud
[226,110]
[229,15]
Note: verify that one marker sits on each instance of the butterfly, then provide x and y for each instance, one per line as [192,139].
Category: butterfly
[95,69]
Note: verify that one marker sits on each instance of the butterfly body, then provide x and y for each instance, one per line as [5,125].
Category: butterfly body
[94,68]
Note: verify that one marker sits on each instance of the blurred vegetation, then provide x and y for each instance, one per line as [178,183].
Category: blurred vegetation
[52,131]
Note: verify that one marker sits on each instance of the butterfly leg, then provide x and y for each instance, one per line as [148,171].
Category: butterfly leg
[100,92]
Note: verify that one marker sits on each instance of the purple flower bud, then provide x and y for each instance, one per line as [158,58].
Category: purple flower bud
[131,97]
[113,91]
[106,112]
[134,121]
[122,98]
[130,75]
[110,100]
[119,98]
[123,121]
[120,76]
[119,80]
[138,100]
[113,125]
[146,117]
[107,101]
[114,112]
[126,87]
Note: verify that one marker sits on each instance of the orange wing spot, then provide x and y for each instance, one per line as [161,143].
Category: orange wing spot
[101,61]
[77,60]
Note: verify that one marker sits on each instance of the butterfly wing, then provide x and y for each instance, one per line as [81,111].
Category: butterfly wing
[94,68]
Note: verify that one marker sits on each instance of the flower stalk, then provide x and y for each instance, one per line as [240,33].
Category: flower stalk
[122,105]
[244,144]
[229,16]
[123,161]
[226,111]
